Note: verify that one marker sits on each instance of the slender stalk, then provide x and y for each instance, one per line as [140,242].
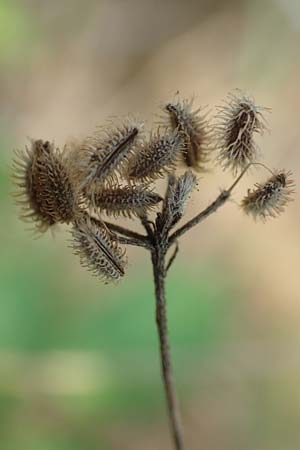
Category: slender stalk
[220,200]
[126,236]
[132,241]
[173,257]
[158,261]
[126,232]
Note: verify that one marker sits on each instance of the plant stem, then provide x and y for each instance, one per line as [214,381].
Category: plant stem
[158,261]
[220,200]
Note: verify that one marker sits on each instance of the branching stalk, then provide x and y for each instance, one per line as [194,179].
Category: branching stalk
[213,207]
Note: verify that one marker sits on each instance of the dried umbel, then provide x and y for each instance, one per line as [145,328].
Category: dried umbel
[98,250]
[238,121]
[156,157]
[195,129]
[112,173]
[269,199]
[103,157]
[128,201]
[46,191]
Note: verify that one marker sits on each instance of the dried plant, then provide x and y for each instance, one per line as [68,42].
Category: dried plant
[238,120]
[195,130]
[270,198]
[112,174]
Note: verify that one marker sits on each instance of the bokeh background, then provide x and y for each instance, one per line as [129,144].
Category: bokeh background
[79,367]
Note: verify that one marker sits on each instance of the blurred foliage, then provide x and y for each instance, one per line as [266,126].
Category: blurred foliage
[17,33]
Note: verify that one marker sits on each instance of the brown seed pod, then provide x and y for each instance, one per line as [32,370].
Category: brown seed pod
[128,201]
[238,120]
[269,199]
[46,191]
[178,192]
[156,157]
[195,129]
[103,157]
[99,252]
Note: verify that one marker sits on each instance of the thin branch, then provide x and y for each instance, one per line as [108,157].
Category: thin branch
[132,241]
[172,258]
[220,200]
[126,232]
[158,262]
[147,225]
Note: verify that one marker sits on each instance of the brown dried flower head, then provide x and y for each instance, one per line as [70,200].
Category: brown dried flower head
[128,201]
[238,120]
[195,129]
[178,193]
[269,199]
[156,157]
[46,191]
[103,157]
[98,250]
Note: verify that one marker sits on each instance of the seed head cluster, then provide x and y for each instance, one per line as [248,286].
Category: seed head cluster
[178,192]
[195,130]
[237,122]
[46,193]
[270,198]
[112,173]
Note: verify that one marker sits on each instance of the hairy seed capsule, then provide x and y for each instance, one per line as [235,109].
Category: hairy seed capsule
[239,119]
[269,199]
[103,157]
[46,191]
[178,193]
[127,201]
[98,251]
[194,127]
[157,157]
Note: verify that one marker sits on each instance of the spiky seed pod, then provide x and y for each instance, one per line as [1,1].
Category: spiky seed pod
[178,192]
[128,201]
[46,193]
[269,199]
[99,252]
[195,129]
[156,157]
[238,120]
[103,157]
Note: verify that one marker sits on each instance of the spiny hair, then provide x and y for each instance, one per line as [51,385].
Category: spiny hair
[98,250]
[46,192]
[237,122]
[178,192]
[269,199]
[195,129]
[103,157]
[128,201]
[156,157]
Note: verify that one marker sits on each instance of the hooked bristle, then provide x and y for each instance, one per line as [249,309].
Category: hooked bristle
[157,157]
[46,192]
[103,157]
[239,119]
[128,201]
[178,192]
[269,199]
[99,252]
[195,129]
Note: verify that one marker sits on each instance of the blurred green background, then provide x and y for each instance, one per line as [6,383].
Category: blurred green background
[79,365]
